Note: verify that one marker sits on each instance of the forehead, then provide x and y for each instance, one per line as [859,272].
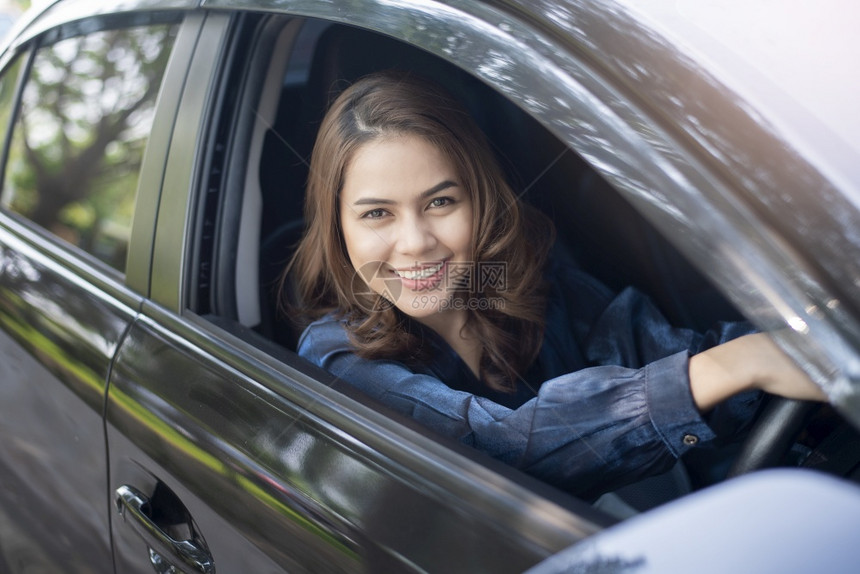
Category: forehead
[398,162]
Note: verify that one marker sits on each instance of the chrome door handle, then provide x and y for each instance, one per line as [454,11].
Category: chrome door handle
[188,553]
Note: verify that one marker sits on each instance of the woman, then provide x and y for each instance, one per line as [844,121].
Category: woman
[433,290]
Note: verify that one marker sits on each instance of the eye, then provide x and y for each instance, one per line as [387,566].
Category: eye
[440,202]
[374,213]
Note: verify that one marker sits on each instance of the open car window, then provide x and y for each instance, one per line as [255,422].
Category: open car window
[278,91]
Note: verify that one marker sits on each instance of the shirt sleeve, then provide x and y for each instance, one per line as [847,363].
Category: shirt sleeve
[587,432]
[629,330]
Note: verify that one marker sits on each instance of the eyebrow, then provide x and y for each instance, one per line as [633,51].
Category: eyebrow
[424,194]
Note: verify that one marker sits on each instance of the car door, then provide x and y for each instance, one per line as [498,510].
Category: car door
[228,451]
[78,98]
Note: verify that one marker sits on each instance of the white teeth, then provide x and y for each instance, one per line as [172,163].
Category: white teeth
[421,273]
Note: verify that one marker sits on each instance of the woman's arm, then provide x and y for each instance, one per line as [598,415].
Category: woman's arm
[587,432]
[726,360]
[746,363]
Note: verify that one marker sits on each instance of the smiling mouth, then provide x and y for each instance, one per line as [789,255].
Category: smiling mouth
[419,274]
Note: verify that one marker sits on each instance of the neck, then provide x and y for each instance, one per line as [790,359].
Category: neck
[451,327]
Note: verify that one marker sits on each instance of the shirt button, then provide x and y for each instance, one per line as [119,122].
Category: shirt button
[690,439]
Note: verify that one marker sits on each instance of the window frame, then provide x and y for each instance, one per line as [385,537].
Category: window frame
[548,517]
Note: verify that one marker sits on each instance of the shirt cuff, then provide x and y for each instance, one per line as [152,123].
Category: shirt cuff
[670,403]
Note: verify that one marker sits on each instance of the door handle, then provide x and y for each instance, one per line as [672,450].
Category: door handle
[191,553]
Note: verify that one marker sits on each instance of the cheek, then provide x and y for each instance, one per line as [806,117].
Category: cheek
[363,244]
[459,233]
[349,243]
[371,273]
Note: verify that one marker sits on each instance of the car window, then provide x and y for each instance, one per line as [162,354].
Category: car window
[614,242]
[289,83]
[80,135]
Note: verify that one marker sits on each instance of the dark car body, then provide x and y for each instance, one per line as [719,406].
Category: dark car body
[152,407]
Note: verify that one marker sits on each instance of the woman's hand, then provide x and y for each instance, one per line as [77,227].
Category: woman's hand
[749,362]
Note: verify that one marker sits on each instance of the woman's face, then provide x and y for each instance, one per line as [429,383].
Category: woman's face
[407,224]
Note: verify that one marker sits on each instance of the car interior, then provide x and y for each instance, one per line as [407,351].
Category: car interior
[298,67]
[596,228]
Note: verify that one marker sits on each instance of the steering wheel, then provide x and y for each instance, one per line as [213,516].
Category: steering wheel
[772,434]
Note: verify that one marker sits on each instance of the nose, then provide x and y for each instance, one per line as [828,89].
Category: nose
[415,238]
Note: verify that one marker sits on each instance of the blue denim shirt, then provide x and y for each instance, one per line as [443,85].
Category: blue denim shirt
[607,401]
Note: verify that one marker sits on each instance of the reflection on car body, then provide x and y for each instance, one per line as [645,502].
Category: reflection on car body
[141,239]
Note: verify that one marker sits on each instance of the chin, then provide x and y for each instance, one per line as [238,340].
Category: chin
[424,306]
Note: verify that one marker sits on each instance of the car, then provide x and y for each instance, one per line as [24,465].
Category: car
[153,410]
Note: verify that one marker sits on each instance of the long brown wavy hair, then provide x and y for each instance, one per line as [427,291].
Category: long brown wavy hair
[503,228]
